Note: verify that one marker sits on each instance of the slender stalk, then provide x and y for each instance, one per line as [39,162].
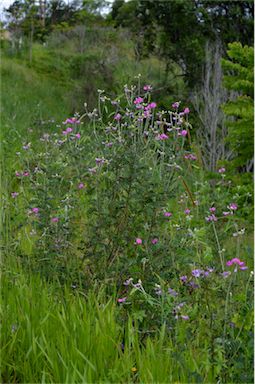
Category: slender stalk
[218,245]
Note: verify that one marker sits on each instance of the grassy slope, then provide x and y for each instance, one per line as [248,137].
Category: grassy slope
[26,97]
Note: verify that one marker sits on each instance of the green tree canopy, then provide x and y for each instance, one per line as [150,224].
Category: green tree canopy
[239,79]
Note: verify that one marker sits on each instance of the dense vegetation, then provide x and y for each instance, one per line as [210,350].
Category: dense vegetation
[127,152]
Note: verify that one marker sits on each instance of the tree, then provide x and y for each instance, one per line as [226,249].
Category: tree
[239,78]
[207,101]
[178,30]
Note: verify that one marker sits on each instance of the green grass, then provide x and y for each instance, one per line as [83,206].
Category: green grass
[53,335]
[27,97]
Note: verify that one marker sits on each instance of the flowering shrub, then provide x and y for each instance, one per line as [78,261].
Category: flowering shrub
[117,195]
[120,194]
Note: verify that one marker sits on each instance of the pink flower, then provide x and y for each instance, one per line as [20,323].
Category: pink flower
[35,210]
[26,173]
[138,241]
[212,209]
[64,132]
[78,135]
[147,88]
[72,120]
[69,130]
[184,132]
[154,241]
[117,116]
[187,211]
[138,100]
[14,194]
[176,105]
[81,186]
[222,170]
[152,105]
[226,213]
[17,174]
[186,111]
[122,300]
[233,206]
[190,156]
[167,214]
[236,261]
[54,219]
[162,136]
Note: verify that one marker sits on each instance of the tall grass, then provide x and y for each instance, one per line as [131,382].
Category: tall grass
[60,334]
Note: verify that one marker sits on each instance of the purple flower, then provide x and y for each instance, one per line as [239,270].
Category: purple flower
[26,173]
[196,272]
[100,160]
[138,241]
[179,306]
[138,285]
[69,130]
[146,114]
[154,241]
[184,278]
[26,146]
[226,213]
[221,170]
[186,111]
[211,218]
[233,206]
[54,219]
[243,268]
[172,292]
[185,317]
[187,211]
[78,135]
[193,285]
[212,209]
[14,194]
[128,281]
[17,174]
[81,186]
[117,117]
[167,214]
[122,300]
[176,105]
[35,210]
[225,274]
[162,136]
